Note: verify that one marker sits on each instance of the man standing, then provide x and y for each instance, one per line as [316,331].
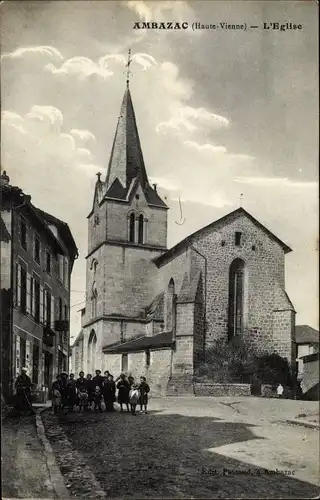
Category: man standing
[23,387]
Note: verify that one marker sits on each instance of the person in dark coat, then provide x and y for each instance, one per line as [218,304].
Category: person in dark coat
[131,380]
[123,387]
[109,393]
[90,387]
[71,390]
[98,380]
[144,390]
[56,395]
[63,390]
[82,391]
[23,386]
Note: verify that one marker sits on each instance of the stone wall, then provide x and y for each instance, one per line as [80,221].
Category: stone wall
[264,264]
[218,390]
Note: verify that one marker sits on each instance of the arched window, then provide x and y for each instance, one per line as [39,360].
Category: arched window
[92,346]
[236,298]
[132,228]
[140,228]
[170,308]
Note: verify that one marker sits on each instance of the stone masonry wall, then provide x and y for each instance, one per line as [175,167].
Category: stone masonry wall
[264,260]
[218,390]
[117,220]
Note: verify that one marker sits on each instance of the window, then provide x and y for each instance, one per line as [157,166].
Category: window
[23,291]
[236,298]
[92,346]
[124,363]
[36,249]
[48,262]
[31,297]
[238,237]
[60,309]
[140,229]
[23,232]
[147,359]
[63,270]
[36,301]
[35,361]
[48,312]
[96,221]
[132,221]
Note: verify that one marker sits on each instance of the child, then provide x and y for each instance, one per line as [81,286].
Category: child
[134,398]
[144,390]
[56,395]
[97,397]
[280,391]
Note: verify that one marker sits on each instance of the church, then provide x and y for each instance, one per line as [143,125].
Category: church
[151,310]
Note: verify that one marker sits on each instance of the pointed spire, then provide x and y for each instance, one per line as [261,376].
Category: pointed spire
[126,160]
[128,66]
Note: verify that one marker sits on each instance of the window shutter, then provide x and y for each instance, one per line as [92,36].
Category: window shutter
[65,272]
[42,304]
[33,297]
[28,356]
[52,312]
[18,284]
[28,292]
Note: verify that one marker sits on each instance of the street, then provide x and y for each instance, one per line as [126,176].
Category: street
[190,448]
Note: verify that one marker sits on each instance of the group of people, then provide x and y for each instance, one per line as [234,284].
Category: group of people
[99,392]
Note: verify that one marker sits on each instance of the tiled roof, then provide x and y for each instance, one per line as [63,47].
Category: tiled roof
[142,343]
[306,335]
[126,160]
[183,244]
[62,226]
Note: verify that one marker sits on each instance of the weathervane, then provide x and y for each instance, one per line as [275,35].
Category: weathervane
[240,199]
[128,67]
[99,175]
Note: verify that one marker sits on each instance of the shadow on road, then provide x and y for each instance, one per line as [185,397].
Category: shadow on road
[166,455]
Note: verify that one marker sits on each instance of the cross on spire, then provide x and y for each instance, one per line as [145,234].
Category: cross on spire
[128,67]
[240,199]
[99,176]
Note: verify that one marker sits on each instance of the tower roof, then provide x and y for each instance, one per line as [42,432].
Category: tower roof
[126,165]
[126,160]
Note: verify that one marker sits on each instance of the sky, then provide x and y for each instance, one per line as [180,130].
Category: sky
[220,114]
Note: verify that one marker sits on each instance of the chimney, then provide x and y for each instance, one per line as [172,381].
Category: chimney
[4,179]
[155,187]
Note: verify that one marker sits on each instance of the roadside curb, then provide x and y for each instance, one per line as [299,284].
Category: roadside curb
[303,423]
[55,475]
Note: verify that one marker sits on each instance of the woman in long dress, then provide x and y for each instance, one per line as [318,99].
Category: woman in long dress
[123,387]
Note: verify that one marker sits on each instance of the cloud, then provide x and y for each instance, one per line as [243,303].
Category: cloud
[83,135]
[84,67]
[44,50]
[38,140]
[205,147]
[186,118]
[275,182]
[156,11]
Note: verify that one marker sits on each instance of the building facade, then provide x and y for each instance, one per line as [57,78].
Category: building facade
[306,343]
[153,311]
[37,256]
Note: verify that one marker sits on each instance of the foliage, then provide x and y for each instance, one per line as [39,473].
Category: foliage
[232,362]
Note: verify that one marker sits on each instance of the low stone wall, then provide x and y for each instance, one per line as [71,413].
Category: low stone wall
[216,390]
[267,391]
